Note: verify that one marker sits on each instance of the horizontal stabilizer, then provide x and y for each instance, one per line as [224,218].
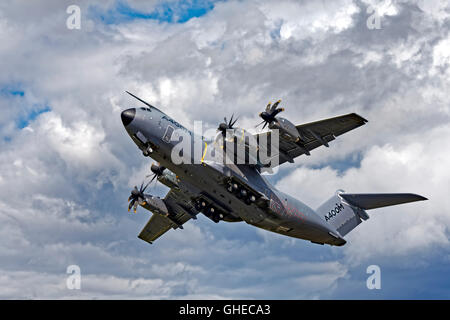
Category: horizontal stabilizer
[368,201]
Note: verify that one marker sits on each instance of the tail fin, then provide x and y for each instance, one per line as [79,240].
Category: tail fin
[345,211]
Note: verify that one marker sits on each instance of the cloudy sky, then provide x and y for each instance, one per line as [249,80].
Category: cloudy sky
[67,165]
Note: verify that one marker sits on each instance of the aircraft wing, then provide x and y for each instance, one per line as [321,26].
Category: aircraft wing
[180,211]
[316,134]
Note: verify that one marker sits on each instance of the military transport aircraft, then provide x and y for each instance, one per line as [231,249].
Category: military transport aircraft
[235,190]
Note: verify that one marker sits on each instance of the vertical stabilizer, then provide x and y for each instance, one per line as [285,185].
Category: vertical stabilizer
[345,211]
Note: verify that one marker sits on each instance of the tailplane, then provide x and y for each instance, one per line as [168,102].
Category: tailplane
[345,211]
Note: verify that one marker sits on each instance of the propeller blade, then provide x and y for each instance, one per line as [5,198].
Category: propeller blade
[229,124]
[275,105]
[130,205]
[277,111]
[234,122]
[268,106]
[260,124]
[142,192]
[265,124]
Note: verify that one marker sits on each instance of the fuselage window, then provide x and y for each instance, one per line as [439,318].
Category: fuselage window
[140,137]
[168,135]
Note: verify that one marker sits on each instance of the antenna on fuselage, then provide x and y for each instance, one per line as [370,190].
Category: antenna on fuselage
[146,103]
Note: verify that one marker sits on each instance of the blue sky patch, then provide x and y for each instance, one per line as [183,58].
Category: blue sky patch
[25,121]
[24,117]
[7,91]
[164,11]
[341,165]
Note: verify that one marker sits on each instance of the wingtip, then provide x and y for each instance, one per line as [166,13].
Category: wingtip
[364,120]
[420,198]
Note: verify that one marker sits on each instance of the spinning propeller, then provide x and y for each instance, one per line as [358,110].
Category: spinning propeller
[269,114]
[226,125]
[137,195]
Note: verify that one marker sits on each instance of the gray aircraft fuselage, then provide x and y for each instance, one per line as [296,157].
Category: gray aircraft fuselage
[151,129]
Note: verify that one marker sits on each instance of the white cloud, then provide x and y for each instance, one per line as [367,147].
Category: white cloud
[306,19]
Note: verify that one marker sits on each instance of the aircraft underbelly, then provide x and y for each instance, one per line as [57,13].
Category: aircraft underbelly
[289,225]
[300,231]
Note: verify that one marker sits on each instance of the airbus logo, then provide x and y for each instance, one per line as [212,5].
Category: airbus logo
[333,212]
[179,126]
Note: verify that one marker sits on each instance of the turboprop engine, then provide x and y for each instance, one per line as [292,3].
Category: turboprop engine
[287,129]
[239,145]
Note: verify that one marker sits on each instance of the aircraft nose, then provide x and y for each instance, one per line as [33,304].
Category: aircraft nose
[128,116]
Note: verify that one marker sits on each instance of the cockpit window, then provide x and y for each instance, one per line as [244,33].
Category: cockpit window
[146,109]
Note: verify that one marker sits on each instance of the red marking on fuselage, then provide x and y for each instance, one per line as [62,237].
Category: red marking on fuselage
[289,210]
[293,211]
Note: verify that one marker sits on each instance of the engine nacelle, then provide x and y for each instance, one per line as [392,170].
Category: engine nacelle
[168,178]
[287,129]
[155,204]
